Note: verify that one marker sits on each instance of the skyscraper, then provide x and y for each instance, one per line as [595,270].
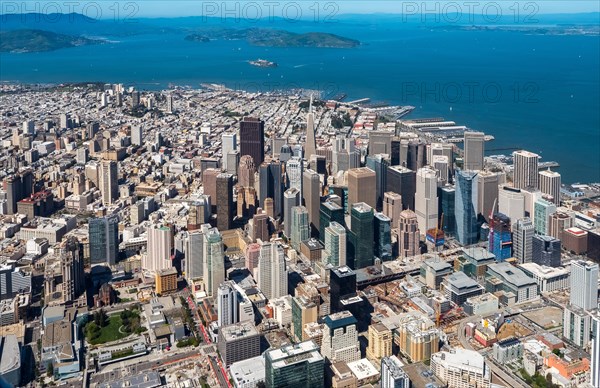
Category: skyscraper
[160,248]
[408,234]
[545,250]
[379,163]
[246,171]
[335,244]
[299,365]
[464,207]
[403,181]
[104,240]
[227,304]
[291,198]
[340,338]
[342,285]
[71,254]
[584,284]
[487,192]
[525,173]
[271,186]
[382,236]
[137,137]
[447,197]
[272,271]
[310,148]
[360,252]
[392,206]
[194,252]
[595,352]
[329,212]
[511,202]
[225,208]
[214,260]
[312,198]
[361,182]
[426,199]
[344,155]
[229,143]
[294,169]
[392,374]
[543,210]
[252,139]
[549,182]
[109,185]
[474,144]
[380,142]
[500,239]
[300,226]
[523,231]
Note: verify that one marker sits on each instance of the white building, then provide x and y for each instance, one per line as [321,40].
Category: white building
[523,231]
[595,352]
[584,284]
[461,368]
[160,246]
[272,271]
[426,199]
[227,304]
[548,279]
[525,169]
[392,374]
[340,338]
[549,182]
[474,143]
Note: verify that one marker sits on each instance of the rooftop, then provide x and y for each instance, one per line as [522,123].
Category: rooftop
[511,274]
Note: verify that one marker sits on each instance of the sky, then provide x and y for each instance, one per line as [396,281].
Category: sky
[293,8]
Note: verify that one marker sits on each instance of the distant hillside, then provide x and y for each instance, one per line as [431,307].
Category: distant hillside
[279,38]
[26,41]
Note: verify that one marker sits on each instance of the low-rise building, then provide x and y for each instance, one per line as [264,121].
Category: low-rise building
[461,368]
[548,279]
[507,350]
[506,277]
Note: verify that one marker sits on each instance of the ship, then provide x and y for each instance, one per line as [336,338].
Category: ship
[262,63]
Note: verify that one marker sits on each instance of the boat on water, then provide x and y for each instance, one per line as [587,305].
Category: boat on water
[262,63]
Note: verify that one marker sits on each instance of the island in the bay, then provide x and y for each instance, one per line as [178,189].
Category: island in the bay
[27,41]
[277,38]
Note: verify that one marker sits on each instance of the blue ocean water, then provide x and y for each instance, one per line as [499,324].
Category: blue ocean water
[537,92]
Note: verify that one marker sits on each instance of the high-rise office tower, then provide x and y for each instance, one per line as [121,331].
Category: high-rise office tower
[225,207]
[474,144]
[335,244]
[440,164]
[584,284]
[416,155]
[277,144]
[559,221]
[408,234]
[595,353]
[329,212]
[310,148]
[252,139]
[545,250]
[109,185]
[14,192]
[170,108]
[209,184]
[500,238]
[214,260]
[361,182]
[392,374]
[380,142]
[392,206]
[542,211]
[523,231]
[342,285]
[360,252]
[383,237]
[294,168]
[525,173]
[271,186]
[447,196]
[229,143]
[104,240]
[511,202]
[291,198]
[160,248]
[272,271]
[340,338]
[83,155]
[233,161]
[379,163]
[344,155]
[300,226]
[426,199]
[72,269]
[487,192]
[299,365]
[464,207]
[260,227]
[403,181]
[194,254]
[227,304]
[441,149]
[246,171]
[135,99]
[137,137]
[549,183]
[311,191]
